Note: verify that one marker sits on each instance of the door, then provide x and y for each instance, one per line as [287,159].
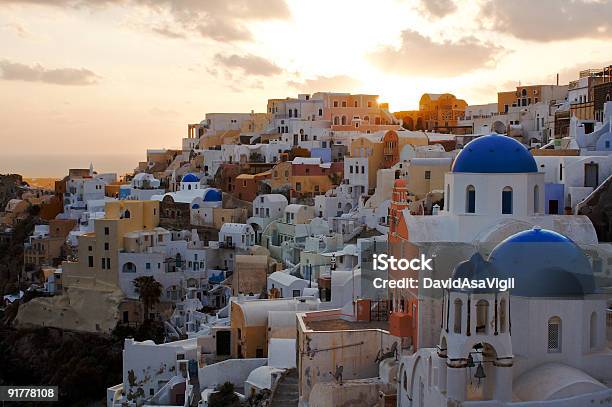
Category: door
[591,175]
[553,207]
[223,342]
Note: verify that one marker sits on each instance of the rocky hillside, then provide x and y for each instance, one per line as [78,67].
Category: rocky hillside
[82,365]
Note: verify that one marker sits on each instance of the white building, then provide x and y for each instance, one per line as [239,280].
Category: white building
[287,285]
[142,187]
[544,343]
[237,235]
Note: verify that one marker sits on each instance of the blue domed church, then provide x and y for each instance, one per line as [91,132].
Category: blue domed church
[543,341]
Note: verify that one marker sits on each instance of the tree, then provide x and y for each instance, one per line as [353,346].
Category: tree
[149,290]
[224,397]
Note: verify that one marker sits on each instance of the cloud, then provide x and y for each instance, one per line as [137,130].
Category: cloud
[13,71]
[326,83]
[249,64]
[220,20]
[420,56]
[18,29]
[549,20]
[438,8]
[224,31]
[168,32]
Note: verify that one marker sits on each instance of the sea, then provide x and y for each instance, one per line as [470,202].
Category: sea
[57,165]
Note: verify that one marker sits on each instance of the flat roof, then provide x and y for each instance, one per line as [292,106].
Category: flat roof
[339,324]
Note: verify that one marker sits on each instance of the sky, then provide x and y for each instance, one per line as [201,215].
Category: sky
[103,80]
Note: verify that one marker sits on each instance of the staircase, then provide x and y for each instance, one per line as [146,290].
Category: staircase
[286,394]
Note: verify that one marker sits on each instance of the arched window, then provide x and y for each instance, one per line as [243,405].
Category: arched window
[482,316]
[470,199]
[336,121]
[355,104]
[129,267]
[524,92]
[189,187]
[457,319]
[536,199]
[593,330]
[405,381]
[502,316]
[554,335]
[290,113]
[343,121]
[127,214]
[366,119]
[507,201]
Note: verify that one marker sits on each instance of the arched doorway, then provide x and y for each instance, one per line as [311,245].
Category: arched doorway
[420,125]
[481,372]
[408,123]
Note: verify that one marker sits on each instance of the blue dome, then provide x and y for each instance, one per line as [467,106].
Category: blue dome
[494,154]
[190,178]
[544,264]
[213,195]
[475,268]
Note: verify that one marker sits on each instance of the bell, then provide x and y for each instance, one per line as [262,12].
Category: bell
[470,361]
[480,373]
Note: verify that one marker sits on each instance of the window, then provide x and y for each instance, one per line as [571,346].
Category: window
[554,335]
[103,263]
[344,103]
[470,199]
[106,245]
[148,266]
[502,316]
[560,172]
[427,174]
[336,120]
[108,263]
[507,201]
[593,330]
[320,112]
[343,120]
[335,103]
[90,261]
[536,199]
[457,319]
[296,293]
[298,186]
[107,231]
[482,316]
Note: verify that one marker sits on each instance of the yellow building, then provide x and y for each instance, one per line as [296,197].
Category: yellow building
[257,123]
[249,322]
[281,175]
[99,251]
[372,148]
[437,112]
